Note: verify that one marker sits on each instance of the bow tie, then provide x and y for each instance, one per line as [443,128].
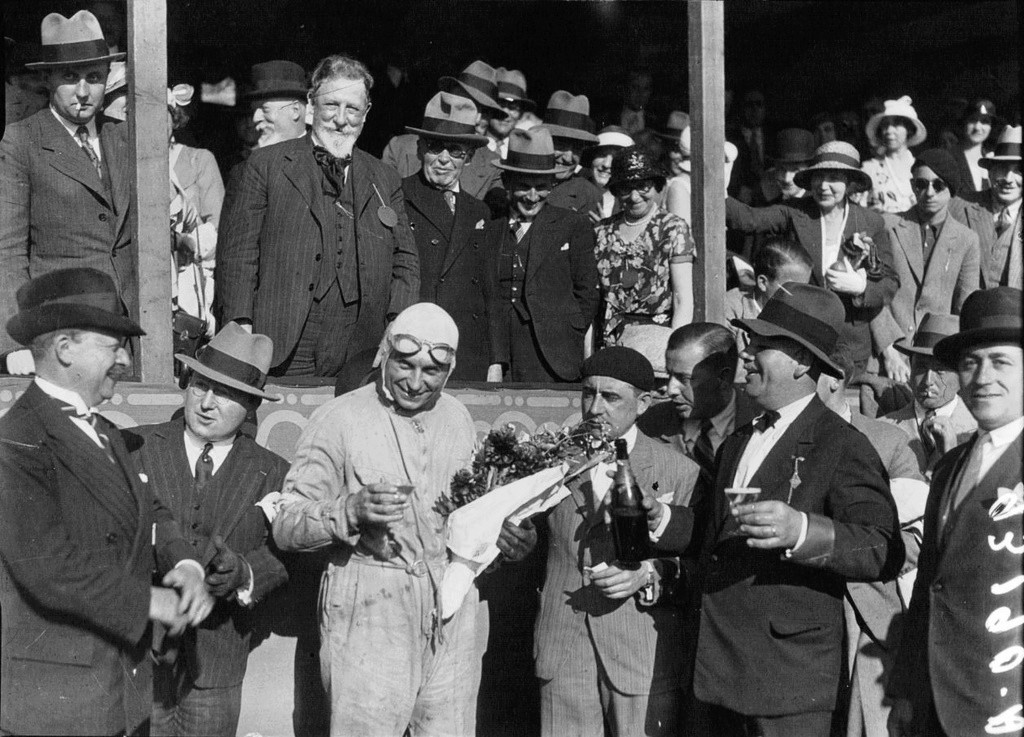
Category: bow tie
[333,166]
[766,421]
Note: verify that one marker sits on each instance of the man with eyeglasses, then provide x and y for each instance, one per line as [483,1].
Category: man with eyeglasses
[278,101]
[316,250]
[213,479]
[448,225]
[995,214]
[544,284]
[369,469]
[935,257]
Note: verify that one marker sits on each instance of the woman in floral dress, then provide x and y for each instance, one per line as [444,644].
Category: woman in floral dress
[644,253]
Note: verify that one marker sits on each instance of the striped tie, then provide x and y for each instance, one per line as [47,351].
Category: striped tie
[83,139]
[90,417]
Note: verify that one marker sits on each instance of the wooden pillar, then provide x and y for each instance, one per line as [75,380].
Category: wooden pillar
[147,106]
[706,49]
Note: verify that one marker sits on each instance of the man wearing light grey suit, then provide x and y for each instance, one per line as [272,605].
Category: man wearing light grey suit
[608,652]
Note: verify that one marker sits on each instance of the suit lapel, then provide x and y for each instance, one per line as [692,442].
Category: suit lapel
[908,235]
[462,231]
[808,232]
[359,176]
[939,258]
[119,171]
[781,461]
[540,242]
[735,444]
[430,203]
[67,157]
[303,172]
[240,463]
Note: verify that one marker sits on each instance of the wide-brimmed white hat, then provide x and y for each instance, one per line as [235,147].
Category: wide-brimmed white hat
[901,108]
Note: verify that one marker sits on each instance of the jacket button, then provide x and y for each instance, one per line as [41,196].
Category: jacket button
[195,525]
[474,280]
[111,538]
[441,280]
[318,257]
[714,558]
[103,217]
[936,587]
[434,241]
[311,287]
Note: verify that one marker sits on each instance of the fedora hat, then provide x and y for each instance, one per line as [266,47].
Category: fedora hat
[933,328]
[677,122]
[834,156]
[478,82]
[568,116]
[988,316]
[609,140]
[794,146]
[450,118]
[512,86]
[901,108]
[530,152]
[81,298]
[810,315]
[634,164]
[235,359]
[1007,148]
[75,40]
[277,78]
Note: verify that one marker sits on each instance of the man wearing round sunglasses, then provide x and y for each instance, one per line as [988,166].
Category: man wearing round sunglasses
[368,471]
[448,225]
[935,257]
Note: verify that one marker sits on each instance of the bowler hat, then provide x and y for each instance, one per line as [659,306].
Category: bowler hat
[634,164]
[810,315]
[932,328]
[568,116]
[988,316]
[512,86]
[277,78]
[834,156]
[901,108]
[794,146]
[1007,148]
[75,40]
[236,359]
[478,82]
[530,152]
[450,118]
[80,298]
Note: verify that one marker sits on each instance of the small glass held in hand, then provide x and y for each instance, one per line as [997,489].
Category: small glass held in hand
[391,545]
[738,495]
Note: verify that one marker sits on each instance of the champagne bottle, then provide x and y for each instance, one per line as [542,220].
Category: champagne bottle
[629,520]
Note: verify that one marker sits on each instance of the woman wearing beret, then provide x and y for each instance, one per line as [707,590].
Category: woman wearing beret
[644,253]
[892,133]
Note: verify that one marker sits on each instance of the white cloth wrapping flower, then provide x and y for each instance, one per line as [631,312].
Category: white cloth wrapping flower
[910,496]
[473,529]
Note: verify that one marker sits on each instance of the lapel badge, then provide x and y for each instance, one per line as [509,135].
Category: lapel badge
[143,478]
[384,213]
[565,247]
[479,224]
[1009,504]
[794,480]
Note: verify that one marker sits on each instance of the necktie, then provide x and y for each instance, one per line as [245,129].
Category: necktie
[968,479]
[449,199]
[1003,221]
[519,228]
[703,450]
[926,436]
[204,466]
[766,421]
[332,166]
[90,417]
[82,134]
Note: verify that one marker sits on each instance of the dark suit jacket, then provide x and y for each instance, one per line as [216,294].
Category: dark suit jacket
[801,219]
[577,193]
[55,211]
[964,170]
[478,176]
[76,536]
[217,651]
[638,646]
[452,267]
[274,230]
[561,290]
[948,652]
[939,286]
[771,628]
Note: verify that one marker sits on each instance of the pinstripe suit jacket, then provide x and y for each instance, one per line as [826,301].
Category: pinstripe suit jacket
[55,211]
[940,286]
[275,229]
[76,543]
[217,651]
[639,647]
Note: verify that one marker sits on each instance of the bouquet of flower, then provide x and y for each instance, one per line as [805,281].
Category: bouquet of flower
[512,478]
[858,250]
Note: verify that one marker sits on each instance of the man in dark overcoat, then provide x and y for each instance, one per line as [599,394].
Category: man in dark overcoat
[316,250]
[64,189]
[213,479]
[448,225]
[81,531]
[772,573]
[958,671]
[544,291]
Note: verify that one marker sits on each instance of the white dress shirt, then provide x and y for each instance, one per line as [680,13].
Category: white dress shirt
[75,400]
[72,129]
[994,443]
[761,443]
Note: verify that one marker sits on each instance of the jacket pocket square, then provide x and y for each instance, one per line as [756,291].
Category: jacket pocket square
[143,478]
[565,247]
[480,224]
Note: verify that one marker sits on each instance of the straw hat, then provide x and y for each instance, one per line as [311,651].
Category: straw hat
[75,40]
[478,82]
[834,156]
[609,140]
[901,108]
[568,116]
[449,117]
[530,152]
[1007,148]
